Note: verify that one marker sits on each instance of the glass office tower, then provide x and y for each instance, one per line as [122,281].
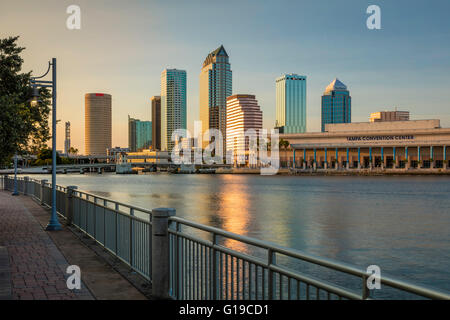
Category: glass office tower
[215,87]
[173,105]
[139,134]
[291,103]
[336,104]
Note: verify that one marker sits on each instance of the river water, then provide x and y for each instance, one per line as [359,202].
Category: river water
[400,223]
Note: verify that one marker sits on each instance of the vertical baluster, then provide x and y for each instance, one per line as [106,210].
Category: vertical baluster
[237,278]
[244,279]
[263,283]
[289,288]
[281,287]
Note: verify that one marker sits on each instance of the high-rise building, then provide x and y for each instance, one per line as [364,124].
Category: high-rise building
[156,122]
[98,123]
[291,103]
[67,138]
[215,87]
[131,134]
[336,104]
[139,134]
[143,135]
[389,116]
[243,113]
[173,105]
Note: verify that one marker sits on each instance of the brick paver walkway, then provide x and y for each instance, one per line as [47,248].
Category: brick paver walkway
[38,269]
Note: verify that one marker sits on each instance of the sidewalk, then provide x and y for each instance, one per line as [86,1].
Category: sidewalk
[38,266]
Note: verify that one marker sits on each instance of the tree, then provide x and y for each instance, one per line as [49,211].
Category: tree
[284,144]
[44,157]
[72,150]
[23,129]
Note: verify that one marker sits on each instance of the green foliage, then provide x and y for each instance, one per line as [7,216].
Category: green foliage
[44,157]
[23,129]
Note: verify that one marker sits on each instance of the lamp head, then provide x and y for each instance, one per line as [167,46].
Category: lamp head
[34,95]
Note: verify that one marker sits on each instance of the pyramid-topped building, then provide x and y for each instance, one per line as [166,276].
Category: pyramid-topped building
[336,84]
[215,87]
[336,104]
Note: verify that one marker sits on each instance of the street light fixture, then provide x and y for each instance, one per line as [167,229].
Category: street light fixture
[53,224]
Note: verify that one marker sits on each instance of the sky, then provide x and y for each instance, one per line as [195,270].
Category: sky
[123,46]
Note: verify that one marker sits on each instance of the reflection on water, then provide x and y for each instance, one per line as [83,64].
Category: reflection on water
[399,223]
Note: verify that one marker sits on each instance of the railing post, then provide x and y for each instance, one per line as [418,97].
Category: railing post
[43,182]
[160,252]
[69,204]
[5,182]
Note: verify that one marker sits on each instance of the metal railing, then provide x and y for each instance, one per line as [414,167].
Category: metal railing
[187,260]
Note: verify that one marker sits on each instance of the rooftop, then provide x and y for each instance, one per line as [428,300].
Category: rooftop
[336,84]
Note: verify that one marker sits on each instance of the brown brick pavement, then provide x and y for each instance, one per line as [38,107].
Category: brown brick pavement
[37,267]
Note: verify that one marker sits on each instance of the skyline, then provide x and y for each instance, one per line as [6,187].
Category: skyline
[131,44]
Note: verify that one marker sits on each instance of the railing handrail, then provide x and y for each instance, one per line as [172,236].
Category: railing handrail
[393,282]
[147,211]
[272,248]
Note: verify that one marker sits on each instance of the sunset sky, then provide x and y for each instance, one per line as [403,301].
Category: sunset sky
[123,46]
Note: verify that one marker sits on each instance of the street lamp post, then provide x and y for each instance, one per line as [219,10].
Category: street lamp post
[53,224]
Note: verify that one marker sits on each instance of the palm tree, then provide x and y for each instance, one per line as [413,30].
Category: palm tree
[284,144]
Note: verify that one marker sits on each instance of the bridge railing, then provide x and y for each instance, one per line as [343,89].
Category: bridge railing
[187,260]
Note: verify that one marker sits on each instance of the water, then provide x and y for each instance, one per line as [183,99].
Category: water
[401,224]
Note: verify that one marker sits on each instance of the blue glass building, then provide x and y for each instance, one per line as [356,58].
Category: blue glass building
[336,104]
[291,103]
[139,134]
[173,105]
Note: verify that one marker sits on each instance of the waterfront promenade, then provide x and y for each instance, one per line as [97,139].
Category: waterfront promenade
[33,266]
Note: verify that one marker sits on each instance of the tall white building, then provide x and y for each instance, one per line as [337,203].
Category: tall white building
[243,113]
[173,105]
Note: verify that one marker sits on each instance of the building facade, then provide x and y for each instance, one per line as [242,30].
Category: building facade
[139,134]
[291,103]
[387,145]
[243,114]
[131,134]
[215,87]
[389,116]
[336,104]
[173,105]
[156,122]
[98,123]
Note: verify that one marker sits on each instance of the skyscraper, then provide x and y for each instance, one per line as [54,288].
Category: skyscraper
[131,134]
[215,87]
[173,105]
[98,123]
[156,122]
[243,113]
[291,103]
[336,104]
[139,134]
